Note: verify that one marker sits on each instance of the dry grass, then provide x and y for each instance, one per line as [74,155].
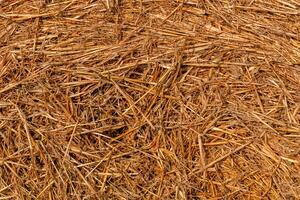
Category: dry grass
[149,99]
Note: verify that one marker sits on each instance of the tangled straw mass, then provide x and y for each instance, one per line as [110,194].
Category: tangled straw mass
[149,99]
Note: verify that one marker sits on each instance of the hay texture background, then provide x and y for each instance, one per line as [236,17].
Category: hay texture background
[149,99]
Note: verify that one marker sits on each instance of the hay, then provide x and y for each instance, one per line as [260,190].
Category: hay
[149,99]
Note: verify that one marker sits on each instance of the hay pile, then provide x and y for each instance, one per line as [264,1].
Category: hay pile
[149,99]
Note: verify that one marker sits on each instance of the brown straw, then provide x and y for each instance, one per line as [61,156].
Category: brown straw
[149,99]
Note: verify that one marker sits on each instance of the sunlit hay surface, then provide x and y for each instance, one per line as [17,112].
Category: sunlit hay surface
[149,99]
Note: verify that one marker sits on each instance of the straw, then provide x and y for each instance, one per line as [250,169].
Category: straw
[149,99]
